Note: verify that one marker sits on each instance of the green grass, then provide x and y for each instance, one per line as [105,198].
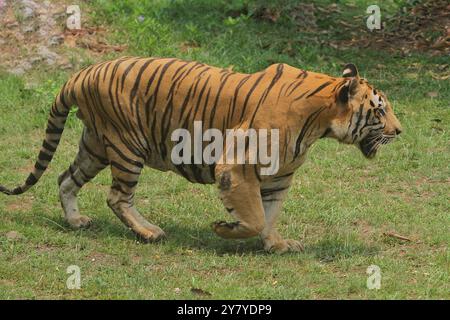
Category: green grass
[340,204]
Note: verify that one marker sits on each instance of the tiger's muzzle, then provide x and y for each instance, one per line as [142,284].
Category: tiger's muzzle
[370,144]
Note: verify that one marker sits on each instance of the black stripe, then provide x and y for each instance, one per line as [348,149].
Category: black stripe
[320,88]
[125,74]
[39,166]
[235,95]
[305,128]
[255,169]
[56,113]
[275,79]
[283,176]
[213,109]
[183,172]
[271,200]
[119,188]
[357,122]
[78,184]
[137,82]
[247,97]
[102,160]
[31,180]
[54,130]
[48,146]
[268,192]
[301,96]
[129,184]
[87,176]
[44,157]
[122,155]
[122,168]
[161,75]
[327,131]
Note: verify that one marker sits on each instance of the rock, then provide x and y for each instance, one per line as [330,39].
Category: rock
[27,13]
[47,55]
[11,24]
[17,71]
[21,68]
[28,8]
[43,32]
[26,65]
[29,3]
[55,40]
[51,22]
[28,29]
[59,15]
[64,64]
[19,36]
[35,59]
[13,235]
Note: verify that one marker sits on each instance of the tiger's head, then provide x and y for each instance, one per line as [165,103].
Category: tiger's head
[365,117]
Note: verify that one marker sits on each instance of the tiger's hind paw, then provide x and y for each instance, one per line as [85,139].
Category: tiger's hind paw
[150,233]
[80,222]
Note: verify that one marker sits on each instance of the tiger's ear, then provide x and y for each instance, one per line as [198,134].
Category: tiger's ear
[350,70]
[348,90]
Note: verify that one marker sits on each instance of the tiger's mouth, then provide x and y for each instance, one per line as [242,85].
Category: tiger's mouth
[370,144]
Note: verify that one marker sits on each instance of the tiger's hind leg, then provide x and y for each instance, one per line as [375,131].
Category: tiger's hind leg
[125,170]
[87,164]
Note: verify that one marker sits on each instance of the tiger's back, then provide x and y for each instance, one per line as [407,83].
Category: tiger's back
[139,102]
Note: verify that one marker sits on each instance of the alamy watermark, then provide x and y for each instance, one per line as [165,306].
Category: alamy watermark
[241,146]
[374,278]
[74,280]
[74,20]
[374,20]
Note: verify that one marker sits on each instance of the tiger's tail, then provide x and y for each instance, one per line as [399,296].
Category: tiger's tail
[55,127]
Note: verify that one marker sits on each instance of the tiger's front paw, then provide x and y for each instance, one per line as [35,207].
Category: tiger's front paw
[224,229]
[282,246]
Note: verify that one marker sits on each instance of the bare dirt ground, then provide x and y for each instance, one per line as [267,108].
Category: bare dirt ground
[34,33]
[422,27]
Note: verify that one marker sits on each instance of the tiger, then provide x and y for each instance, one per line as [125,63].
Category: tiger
[130,106]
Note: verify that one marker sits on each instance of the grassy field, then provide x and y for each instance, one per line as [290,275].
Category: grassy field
[340,205]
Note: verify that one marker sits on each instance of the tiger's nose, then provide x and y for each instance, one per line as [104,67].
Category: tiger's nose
[398,131]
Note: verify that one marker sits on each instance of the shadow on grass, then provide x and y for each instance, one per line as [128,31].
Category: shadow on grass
[203,239]
[329,250]
[177,235]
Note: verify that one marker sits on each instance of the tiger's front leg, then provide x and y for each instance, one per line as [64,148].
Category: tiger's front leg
[273,194]
[240,194]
